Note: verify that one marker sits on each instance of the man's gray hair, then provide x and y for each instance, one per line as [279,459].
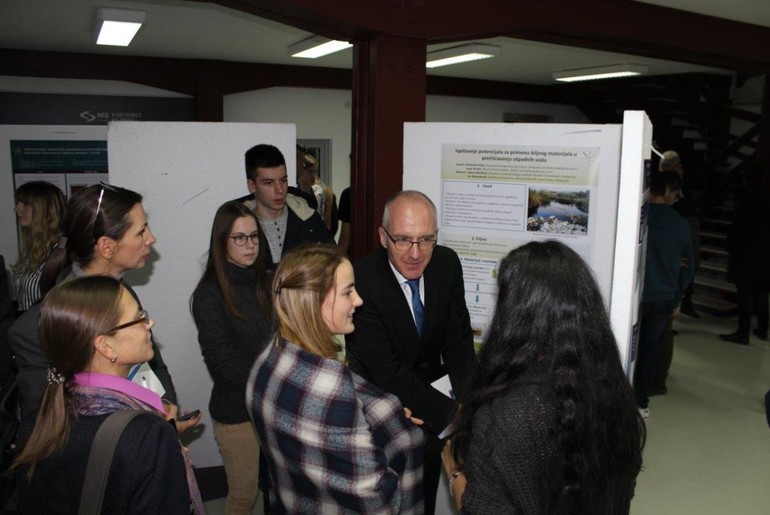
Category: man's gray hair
[412,195]
[669,161]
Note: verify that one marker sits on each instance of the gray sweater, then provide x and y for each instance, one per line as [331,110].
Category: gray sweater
[512,462]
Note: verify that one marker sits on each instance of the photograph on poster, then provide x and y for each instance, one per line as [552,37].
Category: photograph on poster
[558,211]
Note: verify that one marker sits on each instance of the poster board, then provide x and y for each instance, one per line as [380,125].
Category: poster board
[499,186]
[631,239]
[482,177]
[185,171]
[490,182]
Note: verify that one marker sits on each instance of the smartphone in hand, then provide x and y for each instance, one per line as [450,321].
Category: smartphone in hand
[188,416]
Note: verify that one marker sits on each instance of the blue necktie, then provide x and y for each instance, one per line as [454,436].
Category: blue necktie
[417,307]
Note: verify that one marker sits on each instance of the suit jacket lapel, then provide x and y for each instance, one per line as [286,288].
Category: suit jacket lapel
[399,306]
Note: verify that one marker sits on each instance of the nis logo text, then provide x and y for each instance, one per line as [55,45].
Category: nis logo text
[104,117]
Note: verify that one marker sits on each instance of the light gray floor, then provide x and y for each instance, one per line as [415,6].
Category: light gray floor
[708,443]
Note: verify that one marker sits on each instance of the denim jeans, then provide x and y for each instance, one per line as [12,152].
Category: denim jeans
[655,317]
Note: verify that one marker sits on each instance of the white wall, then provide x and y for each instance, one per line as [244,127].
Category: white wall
[326,114]
[481,110]
[317,114]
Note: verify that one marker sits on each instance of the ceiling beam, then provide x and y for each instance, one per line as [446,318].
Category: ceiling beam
[624,26]
[188,76]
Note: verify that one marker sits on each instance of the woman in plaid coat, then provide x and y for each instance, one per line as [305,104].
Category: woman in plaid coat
[334,442]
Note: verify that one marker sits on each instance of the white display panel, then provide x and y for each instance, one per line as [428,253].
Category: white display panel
[499,186]
[185,171]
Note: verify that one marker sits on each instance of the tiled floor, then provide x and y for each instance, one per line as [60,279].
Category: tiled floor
[708,442]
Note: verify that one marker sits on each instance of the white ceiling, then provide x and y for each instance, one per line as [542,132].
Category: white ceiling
[183,29]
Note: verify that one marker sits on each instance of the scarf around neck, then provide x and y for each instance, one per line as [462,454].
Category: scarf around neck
[100,394]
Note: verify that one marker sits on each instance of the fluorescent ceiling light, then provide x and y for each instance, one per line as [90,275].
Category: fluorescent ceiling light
[461,54]
[600,72]
[117,27]
[317,46]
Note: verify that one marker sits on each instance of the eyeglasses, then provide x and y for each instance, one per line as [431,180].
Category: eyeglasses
[104,186]
[240,239]
[144,318]
[403,244]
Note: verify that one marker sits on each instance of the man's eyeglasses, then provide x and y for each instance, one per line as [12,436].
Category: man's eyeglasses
[103,186]
[403,244]
[240,239]
[144,318]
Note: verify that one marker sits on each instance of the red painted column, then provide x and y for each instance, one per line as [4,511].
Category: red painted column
[388,89]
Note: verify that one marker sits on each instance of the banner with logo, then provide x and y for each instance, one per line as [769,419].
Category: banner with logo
[50,109]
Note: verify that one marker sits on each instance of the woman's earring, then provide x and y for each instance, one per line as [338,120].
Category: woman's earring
[114,359]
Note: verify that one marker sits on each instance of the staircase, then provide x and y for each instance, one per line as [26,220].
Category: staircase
[692,114]
[712,292]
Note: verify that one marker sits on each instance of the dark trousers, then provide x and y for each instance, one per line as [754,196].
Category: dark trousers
[665,357]
[655,318]
[752,295]
[431,474]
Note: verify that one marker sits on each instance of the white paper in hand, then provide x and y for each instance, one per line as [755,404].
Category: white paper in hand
[143,375]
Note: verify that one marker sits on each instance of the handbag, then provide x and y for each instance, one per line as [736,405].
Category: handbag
[100,460]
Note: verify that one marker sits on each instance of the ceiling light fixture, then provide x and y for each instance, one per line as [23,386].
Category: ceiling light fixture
[317,46]
[461,54]
[117,27]
[600,72]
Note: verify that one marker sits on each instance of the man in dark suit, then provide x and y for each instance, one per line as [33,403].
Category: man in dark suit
[413,327]
[285,219]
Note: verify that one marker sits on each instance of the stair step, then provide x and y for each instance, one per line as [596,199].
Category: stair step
[713,235]
[725,210]
[714,268]
[717,221]
[714,305]
[714,251]
[715,285]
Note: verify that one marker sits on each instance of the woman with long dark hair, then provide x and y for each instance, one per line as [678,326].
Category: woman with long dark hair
[231,307]
[548,422]
[39,210]
[107,233]
[94,331]
[334,442]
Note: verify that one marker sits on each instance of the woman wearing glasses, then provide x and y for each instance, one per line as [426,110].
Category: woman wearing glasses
[334,442]
[231,307]
[94,331]
[39,210]
[106,233]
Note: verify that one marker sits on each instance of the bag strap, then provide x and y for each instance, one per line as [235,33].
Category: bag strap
[100,459]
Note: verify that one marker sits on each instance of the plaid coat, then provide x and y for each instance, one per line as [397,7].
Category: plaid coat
[334,442]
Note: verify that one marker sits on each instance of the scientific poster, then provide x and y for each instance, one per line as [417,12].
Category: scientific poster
[498,197]
[69,164]
[500,186]
[65,155]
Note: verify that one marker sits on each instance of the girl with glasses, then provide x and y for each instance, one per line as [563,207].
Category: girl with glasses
[231,308]
[334,442]
[94,331]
